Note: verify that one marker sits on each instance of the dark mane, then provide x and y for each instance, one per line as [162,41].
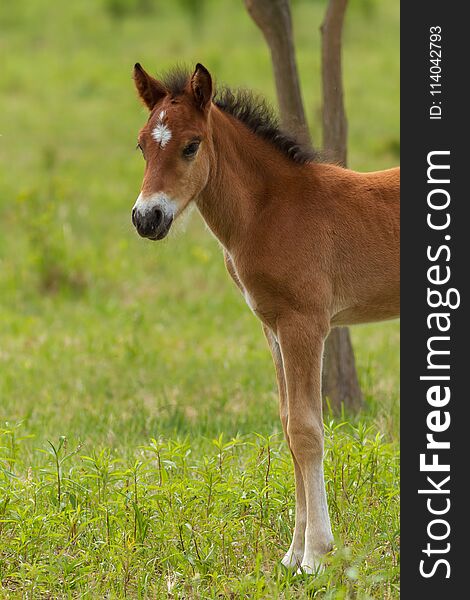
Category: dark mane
[250,109]
[253,110]
[175,80]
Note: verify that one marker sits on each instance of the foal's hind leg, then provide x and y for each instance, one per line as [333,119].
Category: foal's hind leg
[293,557]
[302,347]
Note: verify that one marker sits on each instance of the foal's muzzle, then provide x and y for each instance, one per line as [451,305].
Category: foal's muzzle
[152,224]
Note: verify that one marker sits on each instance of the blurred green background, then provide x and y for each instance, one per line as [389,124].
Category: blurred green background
[108,339]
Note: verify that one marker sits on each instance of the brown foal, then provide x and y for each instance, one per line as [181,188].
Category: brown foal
[310,246]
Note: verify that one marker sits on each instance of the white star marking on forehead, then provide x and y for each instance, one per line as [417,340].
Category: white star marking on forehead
[161,133]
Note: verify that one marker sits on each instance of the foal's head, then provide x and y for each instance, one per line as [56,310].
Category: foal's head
[177,148]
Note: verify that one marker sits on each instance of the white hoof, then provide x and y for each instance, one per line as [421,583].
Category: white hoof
[292,560]
[311,567]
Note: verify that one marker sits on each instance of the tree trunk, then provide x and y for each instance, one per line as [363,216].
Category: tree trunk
[335,125]
[340,381]
[273,17]
[340,384]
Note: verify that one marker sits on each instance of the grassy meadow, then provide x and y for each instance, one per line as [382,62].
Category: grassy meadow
[140,445]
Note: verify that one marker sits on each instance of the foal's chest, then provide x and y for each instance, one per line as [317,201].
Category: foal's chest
[232,269]
[260,304]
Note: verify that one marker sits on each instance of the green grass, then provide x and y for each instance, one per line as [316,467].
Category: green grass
[140,446]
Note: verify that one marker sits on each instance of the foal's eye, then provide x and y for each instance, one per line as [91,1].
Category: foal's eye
[190,150]
[139,147]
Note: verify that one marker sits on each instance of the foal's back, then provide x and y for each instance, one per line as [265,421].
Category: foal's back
[342,230]
[364,222]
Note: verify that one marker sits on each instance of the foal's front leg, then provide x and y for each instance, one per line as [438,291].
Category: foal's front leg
[293,557]
[301,342]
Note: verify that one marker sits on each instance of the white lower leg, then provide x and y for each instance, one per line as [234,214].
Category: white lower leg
[293,557]
[301,340]
[318,535]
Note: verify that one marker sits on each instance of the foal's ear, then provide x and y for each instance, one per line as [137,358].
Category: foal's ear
[201,86]
[150,90]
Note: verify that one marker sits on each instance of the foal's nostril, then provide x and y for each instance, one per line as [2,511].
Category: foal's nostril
[150,223]
[157,218]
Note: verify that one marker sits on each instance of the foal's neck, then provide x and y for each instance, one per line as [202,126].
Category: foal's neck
[244,173]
